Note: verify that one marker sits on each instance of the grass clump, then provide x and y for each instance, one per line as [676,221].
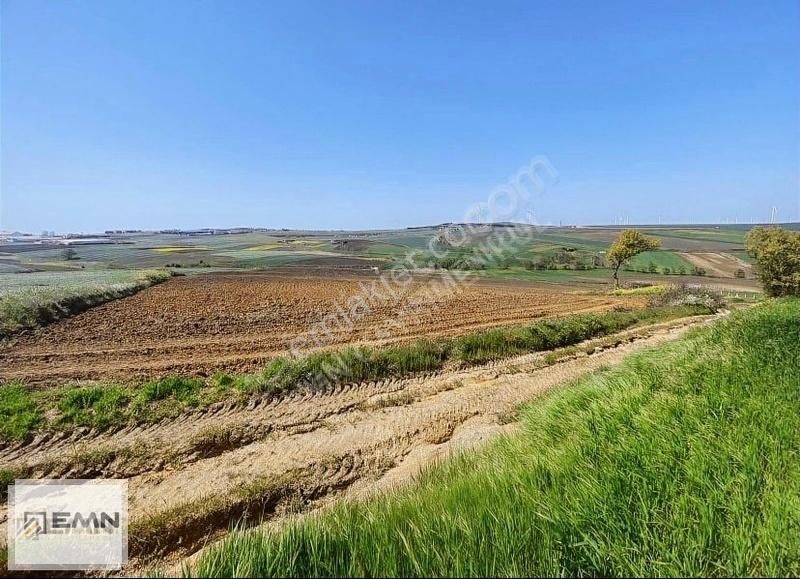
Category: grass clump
[95,407]
[104,406]
[681,461]
[19,413]
[355,364]
[175,387]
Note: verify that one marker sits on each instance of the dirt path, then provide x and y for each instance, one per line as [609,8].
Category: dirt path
[190,478]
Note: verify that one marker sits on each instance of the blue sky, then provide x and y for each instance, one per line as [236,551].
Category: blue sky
[330,114]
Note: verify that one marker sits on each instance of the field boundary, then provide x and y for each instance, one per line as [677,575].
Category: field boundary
[21,314]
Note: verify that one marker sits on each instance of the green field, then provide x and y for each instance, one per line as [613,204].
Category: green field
[727,235]
[31,299]
[682,461]
[281,248]
[662,259]
[557,276]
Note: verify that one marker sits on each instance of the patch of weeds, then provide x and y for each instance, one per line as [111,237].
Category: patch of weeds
[166,397]
[175,387]
[95,406]
[7,478]
[222,380]
[403,398]
[19,413]
[215,439]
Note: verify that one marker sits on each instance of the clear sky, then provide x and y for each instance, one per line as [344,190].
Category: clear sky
[331,114]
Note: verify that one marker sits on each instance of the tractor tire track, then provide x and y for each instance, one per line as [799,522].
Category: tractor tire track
[265,456]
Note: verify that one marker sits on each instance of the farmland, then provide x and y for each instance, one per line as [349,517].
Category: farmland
[633,471]
[382,289]
[32,299]
[193,473]
[235,383]
[237,321]
[361,250]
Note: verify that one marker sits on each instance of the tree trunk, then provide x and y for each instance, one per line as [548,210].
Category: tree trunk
[616,276]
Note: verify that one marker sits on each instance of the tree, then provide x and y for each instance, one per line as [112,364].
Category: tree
[69,254]
[631,242]
[776,252]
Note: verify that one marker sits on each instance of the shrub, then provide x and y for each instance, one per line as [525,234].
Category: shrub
[684,295]
[777,255]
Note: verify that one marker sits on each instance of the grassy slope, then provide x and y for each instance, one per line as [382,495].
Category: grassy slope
[681,461]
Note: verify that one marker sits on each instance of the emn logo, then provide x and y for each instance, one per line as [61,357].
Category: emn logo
[62,522]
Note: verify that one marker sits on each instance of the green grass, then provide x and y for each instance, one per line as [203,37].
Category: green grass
[359,364]
[28,300]
[682,461]
[19,413]
[661,259]
[726,235]
[96,407]
[105,405]
[559,276]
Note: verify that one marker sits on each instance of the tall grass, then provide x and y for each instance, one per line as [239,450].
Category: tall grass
[19,413]
[681,461]
[367,363]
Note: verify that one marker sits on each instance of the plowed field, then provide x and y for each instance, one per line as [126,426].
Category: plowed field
[197,325]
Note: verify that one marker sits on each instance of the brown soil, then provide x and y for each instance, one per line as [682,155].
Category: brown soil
[719,264]
[234,321]
[190,478]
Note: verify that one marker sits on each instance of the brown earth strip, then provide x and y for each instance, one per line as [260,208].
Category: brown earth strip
[719,264]
[198,325]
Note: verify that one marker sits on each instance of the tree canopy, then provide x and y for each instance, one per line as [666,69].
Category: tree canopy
[629,243]
[776,252]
